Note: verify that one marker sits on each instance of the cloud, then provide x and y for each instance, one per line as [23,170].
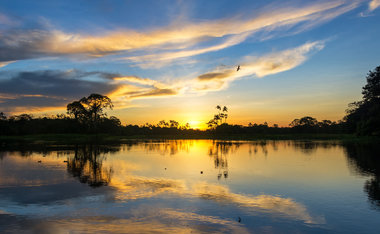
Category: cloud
[162,59]
[218,79]
[136,79]
[291,20]
[171,42]
[258,66]
[7,21]
[216,75]
[49,89]
[3,64]
[53,83]
[156,92]
[373,5]
[38,90]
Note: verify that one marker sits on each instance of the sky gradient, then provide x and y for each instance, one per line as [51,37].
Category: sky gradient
[177,59]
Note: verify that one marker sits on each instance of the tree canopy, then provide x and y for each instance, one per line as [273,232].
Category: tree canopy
[363,116]
[90,110]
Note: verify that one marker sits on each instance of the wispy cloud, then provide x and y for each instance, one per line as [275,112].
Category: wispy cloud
[3,64]
[51,88]
[162,59]
[289,20]
[7,21]
[171,42]
[259,67]
[217,79]
[373,5]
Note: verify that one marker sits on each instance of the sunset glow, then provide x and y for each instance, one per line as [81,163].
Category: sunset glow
[178,60]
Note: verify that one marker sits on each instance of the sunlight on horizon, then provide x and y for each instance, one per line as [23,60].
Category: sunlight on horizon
[267,62]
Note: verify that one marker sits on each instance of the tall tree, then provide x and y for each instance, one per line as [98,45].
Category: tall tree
[76,109]
[218,118]
[90,110]
[3,116]
[363,116]
[95,104]
[371,91]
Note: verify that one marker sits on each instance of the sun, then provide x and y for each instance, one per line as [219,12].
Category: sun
[196,124]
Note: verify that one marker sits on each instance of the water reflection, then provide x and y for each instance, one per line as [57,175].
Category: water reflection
[265,203]
[364,159]
[164,147]
[149,186]
[219,151]
[87,165]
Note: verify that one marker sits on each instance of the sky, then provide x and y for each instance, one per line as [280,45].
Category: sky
[177,60]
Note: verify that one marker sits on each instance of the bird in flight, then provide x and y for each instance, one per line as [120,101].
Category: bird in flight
[238,68]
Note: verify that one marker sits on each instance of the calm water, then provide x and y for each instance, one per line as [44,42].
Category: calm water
[191,186]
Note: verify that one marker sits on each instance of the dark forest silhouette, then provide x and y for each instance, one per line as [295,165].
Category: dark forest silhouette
[87,116]
[363,117]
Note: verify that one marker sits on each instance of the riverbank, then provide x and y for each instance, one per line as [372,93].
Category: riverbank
[105,138]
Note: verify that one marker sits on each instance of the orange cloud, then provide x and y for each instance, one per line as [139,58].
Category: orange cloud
[218,79]
[262,66]
[3,64]
[180,37]
[374,4]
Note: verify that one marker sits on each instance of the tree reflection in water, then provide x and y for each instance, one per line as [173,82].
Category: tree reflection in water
[219,151]
[87,162]
[87,165]
[365,160]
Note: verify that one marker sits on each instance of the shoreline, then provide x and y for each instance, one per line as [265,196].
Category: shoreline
[110,139]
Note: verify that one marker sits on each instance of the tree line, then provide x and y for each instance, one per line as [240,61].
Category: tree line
[88,116]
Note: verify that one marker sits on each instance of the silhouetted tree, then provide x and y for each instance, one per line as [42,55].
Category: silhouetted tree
[306,121]
[77,110]
[218,118]
[163,124]
[371,91]
[89,110]
[363,116]
[2,116]
[94,105]
[173,124]
[22,117]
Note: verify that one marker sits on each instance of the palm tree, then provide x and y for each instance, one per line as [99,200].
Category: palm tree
[225,115]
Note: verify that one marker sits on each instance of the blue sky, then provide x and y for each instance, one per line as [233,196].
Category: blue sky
[177,59]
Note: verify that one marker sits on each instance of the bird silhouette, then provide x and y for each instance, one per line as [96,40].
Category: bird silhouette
[238,68]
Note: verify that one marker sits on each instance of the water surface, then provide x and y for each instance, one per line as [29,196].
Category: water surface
[191,186]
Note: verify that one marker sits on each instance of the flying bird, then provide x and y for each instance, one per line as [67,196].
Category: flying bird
[238,68]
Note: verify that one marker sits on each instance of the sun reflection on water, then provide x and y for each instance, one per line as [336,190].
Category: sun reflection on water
[179,185]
